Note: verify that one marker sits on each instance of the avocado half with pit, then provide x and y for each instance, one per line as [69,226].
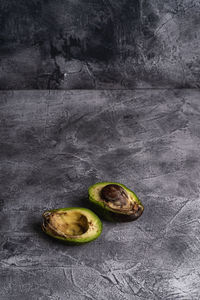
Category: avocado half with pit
[72,225]
[115,202]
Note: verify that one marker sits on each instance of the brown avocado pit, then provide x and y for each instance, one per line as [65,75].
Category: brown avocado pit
[115,194]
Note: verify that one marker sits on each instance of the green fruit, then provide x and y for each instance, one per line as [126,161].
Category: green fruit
[73,225]
[115,202]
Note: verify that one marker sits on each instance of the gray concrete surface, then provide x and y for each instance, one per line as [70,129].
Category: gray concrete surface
[93,44]
[53,145]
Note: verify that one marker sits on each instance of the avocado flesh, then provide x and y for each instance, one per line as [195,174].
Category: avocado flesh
[115,202]
[72,225]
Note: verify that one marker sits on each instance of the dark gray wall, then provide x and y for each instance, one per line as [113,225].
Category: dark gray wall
[90,44]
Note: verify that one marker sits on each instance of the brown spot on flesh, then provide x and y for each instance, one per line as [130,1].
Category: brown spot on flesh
[136,207]
[114,194]
[59,226]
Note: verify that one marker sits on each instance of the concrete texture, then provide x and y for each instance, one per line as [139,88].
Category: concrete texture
[97,44]
[53,146]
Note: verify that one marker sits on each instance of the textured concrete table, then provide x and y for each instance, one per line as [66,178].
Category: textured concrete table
[53,145]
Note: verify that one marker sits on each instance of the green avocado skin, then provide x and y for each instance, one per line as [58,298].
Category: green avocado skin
[108,214]
[73,241]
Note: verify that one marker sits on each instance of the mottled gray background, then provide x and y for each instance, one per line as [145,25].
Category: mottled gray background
[54,144]
[96,44]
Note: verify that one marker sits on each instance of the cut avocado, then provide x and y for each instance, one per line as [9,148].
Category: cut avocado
[73,225]
[115,202]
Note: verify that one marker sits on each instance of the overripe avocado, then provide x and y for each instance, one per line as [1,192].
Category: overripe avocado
[73,225]
[115,202]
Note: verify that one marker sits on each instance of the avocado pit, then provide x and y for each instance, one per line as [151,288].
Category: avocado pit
[114,194]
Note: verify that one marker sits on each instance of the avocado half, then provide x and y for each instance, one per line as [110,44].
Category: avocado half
[115,202]
[72,225]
